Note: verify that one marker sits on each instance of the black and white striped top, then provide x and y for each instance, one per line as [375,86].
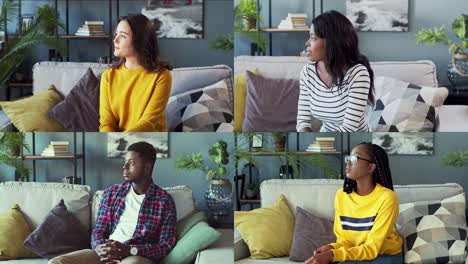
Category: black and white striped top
[339,109]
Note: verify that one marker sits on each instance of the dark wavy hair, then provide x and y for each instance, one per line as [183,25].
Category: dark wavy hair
[381,175]
[341,46]
[145,43]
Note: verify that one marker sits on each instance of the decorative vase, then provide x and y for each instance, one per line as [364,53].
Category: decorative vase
[457,71]
[279,142]
[286,172]
[218,197]
[248,23]
[251,193]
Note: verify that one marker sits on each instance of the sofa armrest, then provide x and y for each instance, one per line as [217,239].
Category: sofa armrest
[241,250]
[222,249]
[453,118]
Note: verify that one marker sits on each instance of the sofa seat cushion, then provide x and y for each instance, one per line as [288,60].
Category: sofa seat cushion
[27,261]
[282,260]
[221,249]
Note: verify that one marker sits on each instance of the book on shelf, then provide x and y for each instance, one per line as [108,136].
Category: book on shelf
[54,143]
[294,21]
[325,139]
[94,22]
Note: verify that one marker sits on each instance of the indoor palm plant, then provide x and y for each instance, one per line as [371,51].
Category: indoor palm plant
[10,150]
[16,48]
[457,71]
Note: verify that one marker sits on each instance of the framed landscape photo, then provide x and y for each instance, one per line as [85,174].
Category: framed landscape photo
[378,15]
[117,143]
[176,18]
[405,143]
[257,141]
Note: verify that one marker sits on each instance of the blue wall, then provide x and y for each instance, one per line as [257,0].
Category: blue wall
[378,46]
[218,20]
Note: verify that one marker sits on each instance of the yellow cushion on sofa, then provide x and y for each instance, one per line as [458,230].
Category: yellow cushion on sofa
[240,93]
[14,230]
[267,231]
[31,114]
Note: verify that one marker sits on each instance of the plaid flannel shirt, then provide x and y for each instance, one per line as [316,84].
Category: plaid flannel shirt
[155,233]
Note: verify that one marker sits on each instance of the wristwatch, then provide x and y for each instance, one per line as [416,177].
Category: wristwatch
[133,251]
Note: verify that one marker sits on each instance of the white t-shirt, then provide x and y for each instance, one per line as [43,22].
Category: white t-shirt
[129,218]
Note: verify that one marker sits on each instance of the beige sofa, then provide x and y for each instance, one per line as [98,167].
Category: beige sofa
[37,199]
[317,196]
[452,118]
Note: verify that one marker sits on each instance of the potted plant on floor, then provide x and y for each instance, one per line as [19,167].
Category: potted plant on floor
[455,159]
[219,196]
[457,71]
[10,150]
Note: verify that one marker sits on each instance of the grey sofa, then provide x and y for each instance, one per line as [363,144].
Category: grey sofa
[452,118]
[37,199]
[64,75]
[317,196]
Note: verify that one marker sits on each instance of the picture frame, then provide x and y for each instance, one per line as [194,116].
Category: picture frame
[379,15]
[405,143]
[26,22]
[117,143]
[257,141]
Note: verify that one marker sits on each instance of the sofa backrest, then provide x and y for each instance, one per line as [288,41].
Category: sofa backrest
[182,196]
[64,75]
[287,67]
[317,195]
[37,199]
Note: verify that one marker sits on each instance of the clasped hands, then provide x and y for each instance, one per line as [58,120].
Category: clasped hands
[112,251]
[323,255]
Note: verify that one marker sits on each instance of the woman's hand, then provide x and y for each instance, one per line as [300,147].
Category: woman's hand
[321,258]
[323,249]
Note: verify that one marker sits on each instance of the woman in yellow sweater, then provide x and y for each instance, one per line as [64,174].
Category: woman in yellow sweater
[135,91]
[366,210]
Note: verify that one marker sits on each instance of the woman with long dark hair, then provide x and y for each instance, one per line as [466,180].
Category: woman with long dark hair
[366,211]
[135,91]
[336,85]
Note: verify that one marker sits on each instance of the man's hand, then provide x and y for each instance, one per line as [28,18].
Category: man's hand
[321,258]
[112,251]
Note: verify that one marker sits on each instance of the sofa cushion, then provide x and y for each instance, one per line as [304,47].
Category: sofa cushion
[267,231]
[79,111]
[434,231]
[13,230]
[58,234]
[310,233]
[199,237]
[182,196]
[30,114]
[404,107]
[271,104]
[240,94]
[184,225]
[204,109]
[221,249]
[26,195]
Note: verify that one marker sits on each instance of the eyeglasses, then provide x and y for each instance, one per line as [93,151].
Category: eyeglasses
[353,159]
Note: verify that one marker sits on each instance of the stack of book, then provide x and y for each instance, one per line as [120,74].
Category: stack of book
[91,28]
[294,21]
[322,144]
[57,148]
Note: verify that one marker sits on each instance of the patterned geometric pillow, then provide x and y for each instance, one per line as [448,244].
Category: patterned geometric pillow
[404,107]
[204,109]
[434,231]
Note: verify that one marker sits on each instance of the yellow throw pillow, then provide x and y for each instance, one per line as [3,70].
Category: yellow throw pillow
[267,231]
[14,230]
[240,93]
[31,114]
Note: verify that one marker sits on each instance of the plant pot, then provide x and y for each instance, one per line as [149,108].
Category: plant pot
[279,142]
[457,70]
[218,197]
[251,193]
[249,23]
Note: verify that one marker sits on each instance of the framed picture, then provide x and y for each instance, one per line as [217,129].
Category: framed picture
[117,143]
[26,22]
[257,140]
[176,18]
[378,15]
[405,143]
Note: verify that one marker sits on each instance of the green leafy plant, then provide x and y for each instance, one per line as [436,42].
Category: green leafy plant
[225,43]
[10,148]
[245,22]
[432,36]
[17,48]
[48,19]
[455,159]
[218,154]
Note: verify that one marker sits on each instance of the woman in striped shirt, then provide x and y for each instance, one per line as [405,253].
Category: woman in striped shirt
[336,85]
[366,211]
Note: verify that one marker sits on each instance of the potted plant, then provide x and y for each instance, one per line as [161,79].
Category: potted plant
[279,141]
[456,159]
[251,191]
[219,196]
[10,150]
[245,22]
[224,43]
[457,71]
[48,19]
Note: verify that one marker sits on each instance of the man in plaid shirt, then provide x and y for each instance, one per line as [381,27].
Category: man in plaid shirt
[136,219]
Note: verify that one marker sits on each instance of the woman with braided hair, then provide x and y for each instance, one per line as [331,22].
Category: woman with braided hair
[366,210]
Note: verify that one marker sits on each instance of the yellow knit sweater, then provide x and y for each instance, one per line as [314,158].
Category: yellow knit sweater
[365,225]
[132,100]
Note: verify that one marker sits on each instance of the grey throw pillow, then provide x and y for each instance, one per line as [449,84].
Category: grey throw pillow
[60,233]
[310,233]
[271,104]
[79,111]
